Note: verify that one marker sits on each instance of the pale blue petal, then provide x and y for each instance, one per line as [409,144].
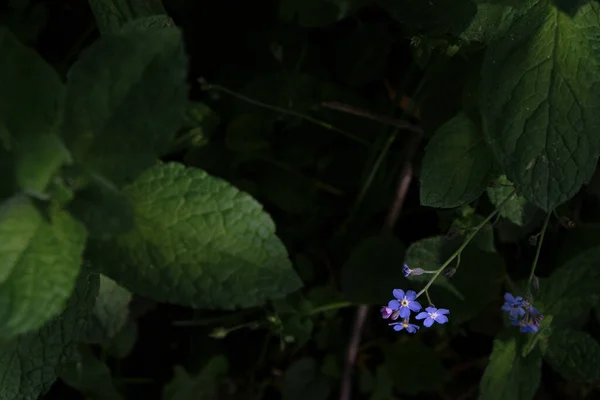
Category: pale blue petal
[428,322]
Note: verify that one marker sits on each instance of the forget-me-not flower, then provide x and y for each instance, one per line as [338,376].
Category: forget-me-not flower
[522,313]
[410,328]
[432,314]
[513,305]
[405,303]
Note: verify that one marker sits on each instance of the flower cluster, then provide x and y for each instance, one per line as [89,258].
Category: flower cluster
[404,304]
[521,313]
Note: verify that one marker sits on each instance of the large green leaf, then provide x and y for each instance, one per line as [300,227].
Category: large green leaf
[373,270]
[29,365]
[539,101]
[574,355]
[31,101]
[125,100]
[39,264]
[509,376]
[573,288]
[457,165]
[197,241]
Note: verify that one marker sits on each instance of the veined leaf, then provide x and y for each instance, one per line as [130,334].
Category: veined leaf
[39,264]
[509,376]
[29,365]
[539,101]
[125,100]
[31,102]
[197,241]
[457,165]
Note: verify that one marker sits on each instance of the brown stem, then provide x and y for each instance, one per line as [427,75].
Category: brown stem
[359,112]
[404,182]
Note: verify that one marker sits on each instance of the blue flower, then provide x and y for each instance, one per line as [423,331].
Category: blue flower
[405,303]
[514,306]
[522,313]
[432,315]
[406,271]
[410,328]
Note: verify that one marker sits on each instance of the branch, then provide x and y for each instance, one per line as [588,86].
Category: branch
[359,112]
[403,185]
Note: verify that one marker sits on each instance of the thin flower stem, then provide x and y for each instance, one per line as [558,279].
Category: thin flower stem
[538,250]
[464,244]
[428,298]
[206,86]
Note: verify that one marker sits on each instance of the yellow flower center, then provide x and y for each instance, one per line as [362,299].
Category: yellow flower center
[404,303]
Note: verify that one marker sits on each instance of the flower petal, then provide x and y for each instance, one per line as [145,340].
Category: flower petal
[422,315]
[398,327]
[509,297]
[404,312]
[441,319]
[398,293]
[431,310]
[428,322]
[411,295]
[443,311]
[394,305]
[414,306]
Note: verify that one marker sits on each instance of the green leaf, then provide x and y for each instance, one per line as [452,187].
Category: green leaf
[146,23]
[539,102]
[373,270]
[509,376]
[28,366]
[303,380]
[429,254]
[90,377]
[414,367]
[202,386]
[102,208]
[573,286]
[39,264]
[540,339]
[125,100]
[432,17]
[111,312]
[574,355]
[121,345]
[316,13]
[487,22]
[198,242]
[457,165]
[516,209]
[31,101]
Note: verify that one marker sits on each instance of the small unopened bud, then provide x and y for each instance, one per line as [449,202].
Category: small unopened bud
[417,271]
[449,273]
[219,333]
[536,283]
